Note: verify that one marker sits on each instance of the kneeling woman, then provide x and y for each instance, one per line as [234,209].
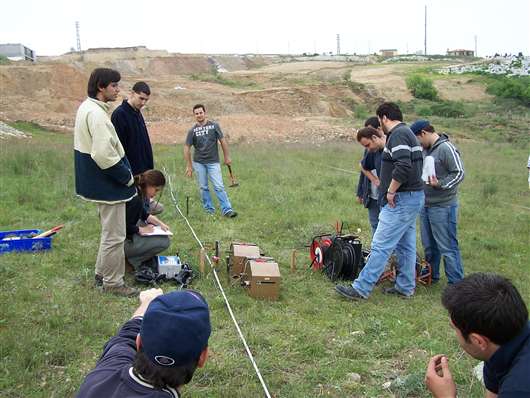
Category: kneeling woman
[140,249]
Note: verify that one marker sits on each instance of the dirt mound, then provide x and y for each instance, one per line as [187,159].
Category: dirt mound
[46,94]
[250,128]
[259,98]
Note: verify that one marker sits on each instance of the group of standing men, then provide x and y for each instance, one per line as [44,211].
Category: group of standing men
[396,187]
[110,151]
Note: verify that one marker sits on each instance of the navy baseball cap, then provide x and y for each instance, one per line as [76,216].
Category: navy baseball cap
[419,125]
[176,328]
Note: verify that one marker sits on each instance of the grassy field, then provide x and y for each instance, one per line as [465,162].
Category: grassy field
[53,323]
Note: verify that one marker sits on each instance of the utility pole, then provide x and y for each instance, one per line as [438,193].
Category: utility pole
[425,42]
[78,36]
[476,52]
[338,44]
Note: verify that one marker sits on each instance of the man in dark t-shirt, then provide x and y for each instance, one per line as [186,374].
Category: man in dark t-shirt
[156,351]
[203,136]
[490,320]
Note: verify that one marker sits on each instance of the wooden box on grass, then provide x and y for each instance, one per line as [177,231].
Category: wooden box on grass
[262,279]
[239,253]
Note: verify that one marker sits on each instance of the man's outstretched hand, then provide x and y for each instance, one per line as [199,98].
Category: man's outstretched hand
[438,378]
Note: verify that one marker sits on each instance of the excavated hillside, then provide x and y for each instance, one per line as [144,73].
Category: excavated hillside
[255,98]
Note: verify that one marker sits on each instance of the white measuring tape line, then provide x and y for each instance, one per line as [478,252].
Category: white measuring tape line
[329,167]
[267,394]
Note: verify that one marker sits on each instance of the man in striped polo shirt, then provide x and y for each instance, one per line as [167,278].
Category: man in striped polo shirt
[401,169]
[439,216]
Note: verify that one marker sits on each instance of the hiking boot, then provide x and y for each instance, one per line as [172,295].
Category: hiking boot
[395,292]
[98,281]
[122,290]
[230,214]
[348,292]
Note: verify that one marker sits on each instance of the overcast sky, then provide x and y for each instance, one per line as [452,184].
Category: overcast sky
[269,26]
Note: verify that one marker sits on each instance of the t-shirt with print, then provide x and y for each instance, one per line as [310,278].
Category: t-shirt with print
[204,140]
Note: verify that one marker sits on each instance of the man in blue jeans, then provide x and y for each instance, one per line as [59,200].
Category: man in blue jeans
[204,137]
[438,219]
[401,170]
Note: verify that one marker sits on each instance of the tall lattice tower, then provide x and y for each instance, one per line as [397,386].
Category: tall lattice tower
[338,44]
[78,36]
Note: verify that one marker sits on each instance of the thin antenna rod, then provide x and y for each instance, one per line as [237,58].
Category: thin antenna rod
[425,42]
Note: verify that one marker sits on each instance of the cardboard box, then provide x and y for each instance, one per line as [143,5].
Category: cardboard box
[239,254]
[262,279]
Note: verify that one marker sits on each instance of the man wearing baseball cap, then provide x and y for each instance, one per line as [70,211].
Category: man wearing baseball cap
[439,217]
[156,351]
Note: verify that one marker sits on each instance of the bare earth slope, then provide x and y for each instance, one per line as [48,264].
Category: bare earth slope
[256,98]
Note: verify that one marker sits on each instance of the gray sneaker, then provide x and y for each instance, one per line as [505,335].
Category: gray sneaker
[230,214]
[123,290]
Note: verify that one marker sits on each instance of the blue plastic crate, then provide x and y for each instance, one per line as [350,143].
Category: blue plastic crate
[25,243]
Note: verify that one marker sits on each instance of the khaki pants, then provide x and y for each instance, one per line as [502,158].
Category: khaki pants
[110,262]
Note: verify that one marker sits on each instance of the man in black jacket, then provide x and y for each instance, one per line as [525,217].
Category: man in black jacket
[132,132]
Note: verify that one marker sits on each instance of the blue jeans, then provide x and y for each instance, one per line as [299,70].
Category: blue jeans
[373,214]
[396,231]
[438,236]
[213,172]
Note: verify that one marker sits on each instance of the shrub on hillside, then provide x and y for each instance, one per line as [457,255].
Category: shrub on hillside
[3,60]
[423,110]
[516,87]
[449,109]
[421,87]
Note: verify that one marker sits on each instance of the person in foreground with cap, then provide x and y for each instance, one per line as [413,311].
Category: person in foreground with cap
[439,217]
[156,351]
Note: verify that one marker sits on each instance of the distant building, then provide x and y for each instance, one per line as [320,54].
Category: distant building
[389,53]
[17,52]
[461,53]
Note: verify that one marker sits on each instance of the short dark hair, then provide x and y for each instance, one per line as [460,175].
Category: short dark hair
[487,304]
[141,87]
[101,78]
[161,376]
[197,106]
[390,110]
[429,129]
[368,132]
[372,121]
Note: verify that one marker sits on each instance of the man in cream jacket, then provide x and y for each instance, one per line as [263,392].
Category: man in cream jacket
[103,175]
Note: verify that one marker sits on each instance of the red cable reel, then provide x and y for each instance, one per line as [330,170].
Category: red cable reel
[319,247]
